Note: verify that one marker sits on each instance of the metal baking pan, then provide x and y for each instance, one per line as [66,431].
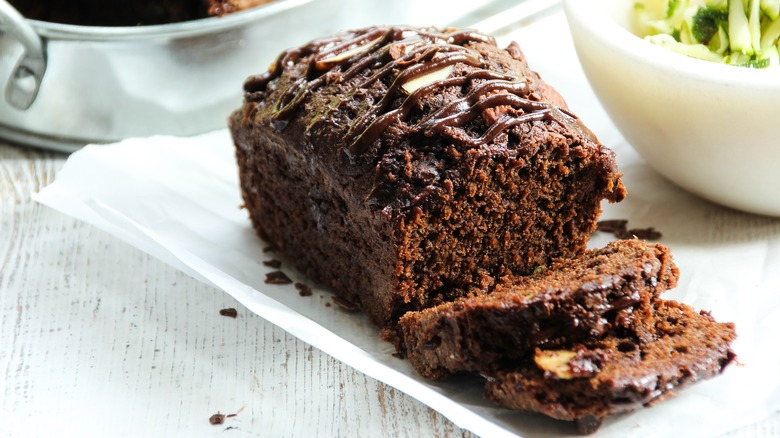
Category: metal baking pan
[63,86]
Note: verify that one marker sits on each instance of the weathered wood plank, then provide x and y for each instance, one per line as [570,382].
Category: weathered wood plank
[102,339]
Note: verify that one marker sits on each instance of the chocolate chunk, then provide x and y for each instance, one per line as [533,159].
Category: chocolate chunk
[303,290]
[273,263]
[587,363]
[645,233]
[345,304]
[277,277]
[229,312]
[619,227]
[614,226]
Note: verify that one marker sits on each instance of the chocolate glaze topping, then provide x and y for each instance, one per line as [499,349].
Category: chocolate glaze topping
[409,53]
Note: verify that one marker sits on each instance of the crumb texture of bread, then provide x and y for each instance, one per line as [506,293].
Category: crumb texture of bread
[403,167]
[605,290]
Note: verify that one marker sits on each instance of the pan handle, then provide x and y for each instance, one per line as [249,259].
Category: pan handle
[26,77]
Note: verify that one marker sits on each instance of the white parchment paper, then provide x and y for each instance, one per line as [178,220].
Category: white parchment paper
[178,199]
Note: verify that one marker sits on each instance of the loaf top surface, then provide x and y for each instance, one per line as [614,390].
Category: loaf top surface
[404,104]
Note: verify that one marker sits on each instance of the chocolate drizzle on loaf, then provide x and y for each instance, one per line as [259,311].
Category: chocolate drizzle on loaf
[409,53]
[401,166]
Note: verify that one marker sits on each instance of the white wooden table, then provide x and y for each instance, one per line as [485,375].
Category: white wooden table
[100,339]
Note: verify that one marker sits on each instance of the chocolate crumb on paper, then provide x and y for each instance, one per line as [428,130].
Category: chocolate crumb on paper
[645,233]
[345,305]
[277,277]
[219,418]
[229,312]
[303,290]
[619,227]
[273,263]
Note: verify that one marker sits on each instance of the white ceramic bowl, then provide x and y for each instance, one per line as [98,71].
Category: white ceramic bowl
[712,129]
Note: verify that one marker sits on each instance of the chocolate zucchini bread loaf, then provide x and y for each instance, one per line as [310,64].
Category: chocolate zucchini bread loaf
[610,289]
[402,166]
[594,380]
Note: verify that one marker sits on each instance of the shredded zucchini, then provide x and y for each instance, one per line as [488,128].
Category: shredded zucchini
[737,32]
